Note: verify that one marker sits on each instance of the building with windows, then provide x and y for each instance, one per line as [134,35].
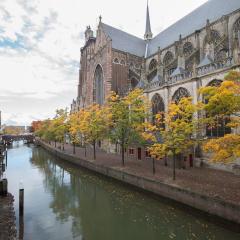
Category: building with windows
[198,50]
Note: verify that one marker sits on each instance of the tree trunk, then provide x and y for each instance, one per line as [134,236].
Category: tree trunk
[85,150]
[55,143]
[153,165]
[63,146]
[174,166]
[165,161]
[94,150]
[74,148]
[122,148]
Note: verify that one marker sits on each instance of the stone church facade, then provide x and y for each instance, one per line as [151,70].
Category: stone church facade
[196,51]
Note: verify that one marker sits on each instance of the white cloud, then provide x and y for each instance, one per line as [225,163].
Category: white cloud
[40,44]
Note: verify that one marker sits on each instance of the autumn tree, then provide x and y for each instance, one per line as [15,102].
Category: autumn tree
[74,129]
[176,128]
[45,130]
[58,126]
[128,116]
[93,124]
[223,104]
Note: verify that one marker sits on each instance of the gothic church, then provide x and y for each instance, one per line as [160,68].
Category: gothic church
[196,51]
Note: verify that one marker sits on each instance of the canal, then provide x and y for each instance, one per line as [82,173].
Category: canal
[65,202]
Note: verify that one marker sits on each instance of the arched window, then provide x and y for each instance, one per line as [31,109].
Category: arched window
[134,82]
[187,49]
[116,61]
[98,92]
[180,93]
[219,129]
[236,29]
[137,66]
[220,55]
[153,65]
[215,37]
[215,83]
[168,58]
[152,70]
[131,65]
[157,106]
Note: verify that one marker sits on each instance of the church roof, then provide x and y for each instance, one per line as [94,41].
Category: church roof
[212,10]
[124,41]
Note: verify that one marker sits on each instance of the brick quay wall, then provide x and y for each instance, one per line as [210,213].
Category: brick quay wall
[211,205]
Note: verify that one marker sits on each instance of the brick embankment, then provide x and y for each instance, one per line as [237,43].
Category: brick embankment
[7,218]
[212,191]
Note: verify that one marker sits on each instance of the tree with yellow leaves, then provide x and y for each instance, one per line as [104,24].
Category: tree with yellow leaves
[59,126]
[74,130]
[176,129]
[45,130]
[223,103]
[93,124]
[128,116]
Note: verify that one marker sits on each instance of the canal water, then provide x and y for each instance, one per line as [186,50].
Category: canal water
[65,202]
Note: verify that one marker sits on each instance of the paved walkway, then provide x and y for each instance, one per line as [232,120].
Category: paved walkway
[215,183]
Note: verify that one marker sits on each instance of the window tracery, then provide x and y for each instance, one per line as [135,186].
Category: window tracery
[122,62]
[157,106]
[168,58]
[215,37]
[219,128]
[116,61]
[236,29]
[187,49]
[153,65]
[134,82]
[98,92]
[179,94]
[152,70]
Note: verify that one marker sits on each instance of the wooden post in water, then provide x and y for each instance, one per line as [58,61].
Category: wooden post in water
[3,167]
[21,200]
[21,211]
[4,187]
[1,187]
[6,156]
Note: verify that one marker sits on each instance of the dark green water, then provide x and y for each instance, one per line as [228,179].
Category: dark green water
[65,202]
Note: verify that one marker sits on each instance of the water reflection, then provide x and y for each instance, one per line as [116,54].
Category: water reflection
[65,202]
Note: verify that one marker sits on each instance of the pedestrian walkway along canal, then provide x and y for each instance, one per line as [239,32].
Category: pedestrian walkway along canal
[63,201]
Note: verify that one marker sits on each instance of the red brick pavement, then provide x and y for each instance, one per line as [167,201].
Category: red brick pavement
[211,182]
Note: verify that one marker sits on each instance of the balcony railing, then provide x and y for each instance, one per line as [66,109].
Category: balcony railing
[212,67]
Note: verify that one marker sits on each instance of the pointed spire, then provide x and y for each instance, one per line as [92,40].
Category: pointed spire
[148,32]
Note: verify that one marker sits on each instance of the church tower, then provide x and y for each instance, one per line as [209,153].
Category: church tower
[148,32]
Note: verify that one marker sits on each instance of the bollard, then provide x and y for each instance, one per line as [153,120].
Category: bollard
[21,200]
[3,167]
[5,186]
[1,187]
[6,153]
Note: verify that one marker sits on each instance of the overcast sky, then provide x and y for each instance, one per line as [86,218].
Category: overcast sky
[40,42]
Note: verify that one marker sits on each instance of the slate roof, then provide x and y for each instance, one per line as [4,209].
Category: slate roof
[124,41]
[206,61]
[212,10]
